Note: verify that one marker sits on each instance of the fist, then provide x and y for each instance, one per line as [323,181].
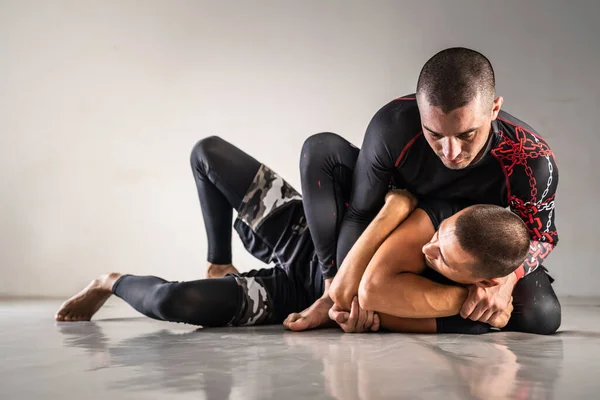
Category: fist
[501,318]
[358,320]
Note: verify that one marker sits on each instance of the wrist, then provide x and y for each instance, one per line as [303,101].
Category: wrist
[327,284]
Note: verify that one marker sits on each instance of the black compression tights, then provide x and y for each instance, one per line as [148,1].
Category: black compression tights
[327,162]
[223,174]
[206,302]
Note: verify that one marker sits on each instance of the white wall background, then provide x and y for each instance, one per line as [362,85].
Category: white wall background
[102,101]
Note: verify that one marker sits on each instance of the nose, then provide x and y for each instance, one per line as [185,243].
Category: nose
[428,249]
[451,149]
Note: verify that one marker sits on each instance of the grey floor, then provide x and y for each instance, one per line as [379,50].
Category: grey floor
[121,355]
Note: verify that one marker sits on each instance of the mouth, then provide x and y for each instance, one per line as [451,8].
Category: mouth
[428,262]
[455,161]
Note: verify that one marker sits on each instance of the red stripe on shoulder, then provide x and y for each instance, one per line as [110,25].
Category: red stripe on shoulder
[406,98]
[405,149]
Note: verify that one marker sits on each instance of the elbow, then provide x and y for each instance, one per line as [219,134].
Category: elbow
[368,294]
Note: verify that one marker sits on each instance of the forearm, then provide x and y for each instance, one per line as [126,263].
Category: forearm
[409,295]
[346,283]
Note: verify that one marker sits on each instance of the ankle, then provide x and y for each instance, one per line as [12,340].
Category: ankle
[213,265]
[107,281]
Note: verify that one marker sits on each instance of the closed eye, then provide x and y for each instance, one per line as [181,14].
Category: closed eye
[466,136]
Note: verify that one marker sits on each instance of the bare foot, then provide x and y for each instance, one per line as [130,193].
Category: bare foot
[86,303]
[220,270]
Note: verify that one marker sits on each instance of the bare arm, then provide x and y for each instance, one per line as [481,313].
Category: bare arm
[390,284]
[346,283]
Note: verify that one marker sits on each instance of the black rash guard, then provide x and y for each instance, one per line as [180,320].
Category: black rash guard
[517,170]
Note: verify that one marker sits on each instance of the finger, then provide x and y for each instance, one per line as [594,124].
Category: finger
[332,314]
[339,316]
[347,328]
[353,318]
[499,319]
[469,304]
[369,323]
[486,316]
[363,317]
[343,317]
[376,323]
[360,319]
[478,312]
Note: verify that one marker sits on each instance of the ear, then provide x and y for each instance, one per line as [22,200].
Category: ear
[487,283]
[496,106]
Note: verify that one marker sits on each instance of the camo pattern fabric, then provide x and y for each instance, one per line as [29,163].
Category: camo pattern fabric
[267,193]
[256,305]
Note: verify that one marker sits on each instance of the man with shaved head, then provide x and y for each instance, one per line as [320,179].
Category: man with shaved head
[452,141]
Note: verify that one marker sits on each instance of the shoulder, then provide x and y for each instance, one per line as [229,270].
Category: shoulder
[527,159]
[402,109]
[516,131]
[397,122]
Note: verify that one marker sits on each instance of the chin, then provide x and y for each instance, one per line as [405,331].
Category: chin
[460,165]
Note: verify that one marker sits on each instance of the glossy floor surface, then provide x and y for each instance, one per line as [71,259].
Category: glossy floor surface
[124,356]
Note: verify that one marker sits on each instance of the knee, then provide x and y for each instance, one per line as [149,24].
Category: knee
[326,150]
[542,317]
[319,146]
[205,149]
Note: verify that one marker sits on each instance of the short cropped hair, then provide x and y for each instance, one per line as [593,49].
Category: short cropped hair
[495,236]
[453,77]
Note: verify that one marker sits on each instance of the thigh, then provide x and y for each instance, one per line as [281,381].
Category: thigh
[326,170]
[271,221]
[536,306]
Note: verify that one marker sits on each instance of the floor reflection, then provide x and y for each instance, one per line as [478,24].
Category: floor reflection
[253,362]
[268,362]
[493,366]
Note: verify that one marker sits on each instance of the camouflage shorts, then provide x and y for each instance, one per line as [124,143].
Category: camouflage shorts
[267,194]
[257,307]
